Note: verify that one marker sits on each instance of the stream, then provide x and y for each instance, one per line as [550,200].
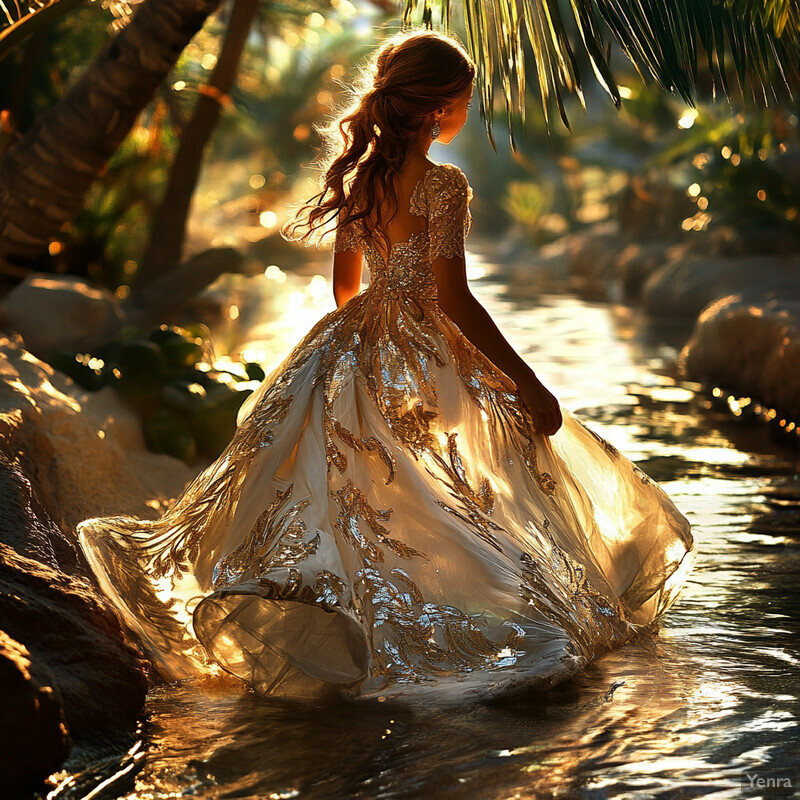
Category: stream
[702,709]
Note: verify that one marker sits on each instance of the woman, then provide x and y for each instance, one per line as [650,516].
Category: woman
[391,517]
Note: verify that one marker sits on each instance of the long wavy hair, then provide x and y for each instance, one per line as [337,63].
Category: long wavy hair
[364,148]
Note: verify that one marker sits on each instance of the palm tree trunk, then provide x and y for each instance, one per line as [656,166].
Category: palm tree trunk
[45,176]
[169,224]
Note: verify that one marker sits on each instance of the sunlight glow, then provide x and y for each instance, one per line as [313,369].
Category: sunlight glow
[274,273]
[268,219]
[688,118]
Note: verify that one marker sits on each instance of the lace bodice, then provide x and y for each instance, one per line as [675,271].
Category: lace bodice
[442,196]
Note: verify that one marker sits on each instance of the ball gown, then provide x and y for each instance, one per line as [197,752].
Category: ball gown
[386,521]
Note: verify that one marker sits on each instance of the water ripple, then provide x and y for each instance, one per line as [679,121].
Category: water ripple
[682,715]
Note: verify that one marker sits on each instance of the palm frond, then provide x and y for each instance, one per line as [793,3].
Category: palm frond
[20,19]
[17,22]
[755,42]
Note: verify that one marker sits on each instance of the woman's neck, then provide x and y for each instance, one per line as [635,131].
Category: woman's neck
[418,153]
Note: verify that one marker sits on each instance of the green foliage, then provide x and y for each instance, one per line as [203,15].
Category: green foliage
[741,171]
[289,80]
[19,21]
[106,239]
[753,41]
[187,405]
[268,125]
[36,75]
[526,203]
[22,19]
[782,15]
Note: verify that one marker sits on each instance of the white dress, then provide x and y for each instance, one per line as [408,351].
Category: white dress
[387,523]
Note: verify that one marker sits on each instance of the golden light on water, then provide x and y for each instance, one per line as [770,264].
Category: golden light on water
[714,684]
[274,273]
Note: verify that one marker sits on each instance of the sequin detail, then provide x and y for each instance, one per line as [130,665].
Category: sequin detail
[389,471]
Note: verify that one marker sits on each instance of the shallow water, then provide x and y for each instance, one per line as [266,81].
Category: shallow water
[683,715]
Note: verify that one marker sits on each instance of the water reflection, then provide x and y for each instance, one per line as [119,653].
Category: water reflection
[681,715]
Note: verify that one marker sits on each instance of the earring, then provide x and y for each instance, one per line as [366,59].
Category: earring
[436,129]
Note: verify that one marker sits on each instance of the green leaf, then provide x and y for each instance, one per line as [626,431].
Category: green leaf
[663,40]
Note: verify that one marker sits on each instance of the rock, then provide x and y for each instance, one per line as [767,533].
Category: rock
[749,344]
[746,240]
[593,252]
[27,527]
[75,639]
[685,286]
[639,260]
[59,313]
[65,455]
[33,737]
[646,208]
[84,452]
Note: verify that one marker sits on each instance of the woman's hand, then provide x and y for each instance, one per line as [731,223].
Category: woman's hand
[541,404]
[457,302]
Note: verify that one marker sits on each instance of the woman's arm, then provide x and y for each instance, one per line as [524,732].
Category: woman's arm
[457,301]
[347,267]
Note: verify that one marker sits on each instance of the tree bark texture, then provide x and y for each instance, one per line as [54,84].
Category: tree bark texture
[44,177]
[169,224]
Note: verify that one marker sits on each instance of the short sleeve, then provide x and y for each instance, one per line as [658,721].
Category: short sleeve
[447,198]
[347,238]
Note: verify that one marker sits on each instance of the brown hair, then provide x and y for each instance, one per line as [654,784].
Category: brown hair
[411,76]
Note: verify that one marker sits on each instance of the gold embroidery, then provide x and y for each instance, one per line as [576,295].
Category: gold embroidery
[348,237]
[443,197]
[384,349]
[353,507]
[543,479]
[564,596]
[476,506]
[416,639]
[277,538]
[329,591]
[169,547]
